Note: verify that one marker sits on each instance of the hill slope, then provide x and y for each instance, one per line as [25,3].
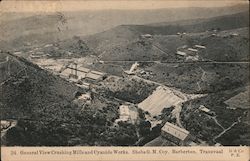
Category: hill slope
[27,89]
[122,42]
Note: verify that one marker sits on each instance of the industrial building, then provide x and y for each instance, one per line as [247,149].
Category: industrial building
[175,134]
[162,97]
[75,73]
[127,113]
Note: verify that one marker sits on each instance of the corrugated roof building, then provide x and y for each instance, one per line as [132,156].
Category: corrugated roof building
[181,53]
[193,50]
[175,134]
[161,98]
[200,46]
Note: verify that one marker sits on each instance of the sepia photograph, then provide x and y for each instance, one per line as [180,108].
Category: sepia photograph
[106,73]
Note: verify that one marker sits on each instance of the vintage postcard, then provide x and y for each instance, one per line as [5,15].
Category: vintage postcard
[128,80]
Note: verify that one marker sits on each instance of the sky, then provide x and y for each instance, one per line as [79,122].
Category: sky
[80,5]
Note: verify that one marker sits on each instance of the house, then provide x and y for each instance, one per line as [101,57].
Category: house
[123,113]
[234,34]
[192,58]
[200,46]
[132,69]
[181,53]
[48,45]
[193,50]
[175,134]
[83,85]
[206,110]
[146,36]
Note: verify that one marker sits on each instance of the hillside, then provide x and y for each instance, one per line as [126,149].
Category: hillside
[225,22]
[229,127]
[27,89]
[47,113]
[122,42]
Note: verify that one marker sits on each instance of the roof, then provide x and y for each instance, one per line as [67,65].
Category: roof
[81,74]
[93,76]
[133,67]
[149,35]
[96,72]
[204,109]
[85,96]
[200,46]
[83,85]
[191,49]
[66,72]
[162,97]
[82,69]
[193,58]
[175,131]
[181,53]
[124,110]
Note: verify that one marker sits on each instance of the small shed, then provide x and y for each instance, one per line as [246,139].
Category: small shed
[200,46]
[192,49]
[181,53]
[146,36]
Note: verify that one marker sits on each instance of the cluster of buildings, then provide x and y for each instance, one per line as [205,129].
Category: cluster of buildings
[190,53]
[84,77]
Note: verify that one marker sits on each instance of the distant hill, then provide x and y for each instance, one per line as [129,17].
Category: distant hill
[125,43]
[18,29]
[198,25]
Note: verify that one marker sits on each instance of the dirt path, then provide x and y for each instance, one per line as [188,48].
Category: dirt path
[227,129]
[216,121]
[176,112]
[155,46]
